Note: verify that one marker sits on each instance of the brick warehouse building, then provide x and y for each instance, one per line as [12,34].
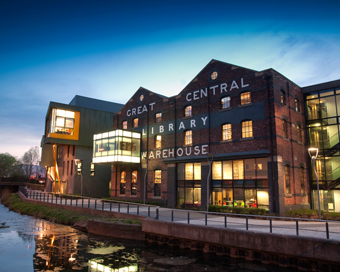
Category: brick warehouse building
[252,125]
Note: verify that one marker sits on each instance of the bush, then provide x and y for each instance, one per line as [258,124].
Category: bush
[314,214]
[227,209]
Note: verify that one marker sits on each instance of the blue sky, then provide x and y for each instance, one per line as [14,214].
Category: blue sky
[51,50]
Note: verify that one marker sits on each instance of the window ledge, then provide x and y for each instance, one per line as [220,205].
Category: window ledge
[247,139]
[187,117]
[226,109]
[284,138]
[226,141]
[245,105]
[289,195]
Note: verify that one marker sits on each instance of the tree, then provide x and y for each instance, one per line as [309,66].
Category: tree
[30,158]
[7,163]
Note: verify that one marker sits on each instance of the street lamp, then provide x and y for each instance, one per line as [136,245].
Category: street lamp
[210,158]
[313,153]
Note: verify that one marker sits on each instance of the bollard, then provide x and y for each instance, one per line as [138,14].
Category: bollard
[327,230]
[172,216]
[225,221]
[65,200]
[206,219]
[297,227]
[110,206]
[270,225]
[61,199]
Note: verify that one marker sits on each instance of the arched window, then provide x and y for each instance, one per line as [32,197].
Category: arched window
[135,122]
[287,179]
[225,102]
[188,111]
[226,132]
[247,129]
[188,137]
[297,105]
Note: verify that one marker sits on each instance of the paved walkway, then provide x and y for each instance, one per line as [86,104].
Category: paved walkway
[283,226]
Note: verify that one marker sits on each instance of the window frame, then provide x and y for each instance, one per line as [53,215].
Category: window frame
[188,137]
[158,119]
[227,133]
[124,124]
[245,131]
[158,143]
[122,189]
[297,105]
[284,129]
[225,104]
[287,179]
[245,98]
[134,182]
[187,112]
[283,98]
[135,124]
[157,183]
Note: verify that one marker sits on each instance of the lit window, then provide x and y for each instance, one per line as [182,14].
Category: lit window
[302,180]
[188,111]
[122,182]
[158,141]
[226,132]
[214,75]
[193,171]
[134,183]
[158,117]
[157,184]
[287,179]
[124,124]
[135,122]
[225,102]
[284,129]
[62,122]
[247,129]
[297,105]
[299,133]
[245,98]
[283,98]
[92,169]
[188,137]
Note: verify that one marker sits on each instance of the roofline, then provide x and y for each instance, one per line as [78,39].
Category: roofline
[320,86]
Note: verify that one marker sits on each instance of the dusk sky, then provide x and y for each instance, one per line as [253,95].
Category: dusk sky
[52,50]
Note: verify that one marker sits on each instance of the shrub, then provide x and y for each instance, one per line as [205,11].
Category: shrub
[227,209]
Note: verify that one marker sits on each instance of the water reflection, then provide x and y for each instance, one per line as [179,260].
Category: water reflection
[29,244]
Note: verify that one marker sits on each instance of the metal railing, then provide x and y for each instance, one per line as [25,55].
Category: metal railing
[261,224]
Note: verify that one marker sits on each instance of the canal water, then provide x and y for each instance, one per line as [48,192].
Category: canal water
[30,244]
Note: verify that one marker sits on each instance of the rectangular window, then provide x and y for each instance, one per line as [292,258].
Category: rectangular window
[297,105]
[245,98]
[228,170]
[226,132]
[225,102]
[283,98]
[287,179]
[284,129]
[92,169]
[59,151]
[124,124]
[122,182]
[188,111]
[158,117]
[193,171]
[188,137]
[62,121]
[216,170]
[250,166]
[261,168]
[135,122]
[302,180]
[247,129]
[157,184]
[63,168]
[158,141]
[238,169]
[134,183]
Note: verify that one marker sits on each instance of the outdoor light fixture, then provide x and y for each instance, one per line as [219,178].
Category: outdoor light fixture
[313,153]
[210,158]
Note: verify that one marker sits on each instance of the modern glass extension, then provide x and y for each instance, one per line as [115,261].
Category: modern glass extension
[116,146]
[323,124]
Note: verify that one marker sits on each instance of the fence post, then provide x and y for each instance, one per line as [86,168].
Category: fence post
[71,200]
[137,209]
[327,230]
[110,206]
[88,205]
[95,204]
[76,201]
[297,227]
[206,219]
[128,208]
[48,196]
[172,216]
[118,206]
[61,199]
[270,225]
[225,221]
[188,217]
[65,200]
[149,211]
[247,223]
[102,205]
[52,199]
[157,214]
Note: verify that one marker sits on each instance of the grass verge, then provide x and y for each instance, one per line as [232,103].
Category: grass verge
[60,216]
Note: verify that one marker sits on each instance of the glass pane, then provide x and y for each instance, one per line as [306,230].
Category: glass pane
[249,183]
[197,169]
[197,198]
[60,122]
[263,199]
[228,170]
[180,197]
[238,183]
[217,170]
[326,93]
[239,198]
[250,196]
[330,136]
[189,198]
[228,197]
[238,169]
[262,183]
[262,169]
[249,171]
[189,171]
[61,113]
[315,137]
[217,197]
[69,123]
[313,109]
[327,107]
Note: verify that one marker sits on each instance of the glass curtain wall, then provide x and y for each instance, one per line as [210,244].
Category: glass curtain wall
[323,124]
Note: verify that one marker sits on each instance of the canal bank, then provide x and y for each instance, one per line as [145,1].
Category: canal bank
[308,254]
